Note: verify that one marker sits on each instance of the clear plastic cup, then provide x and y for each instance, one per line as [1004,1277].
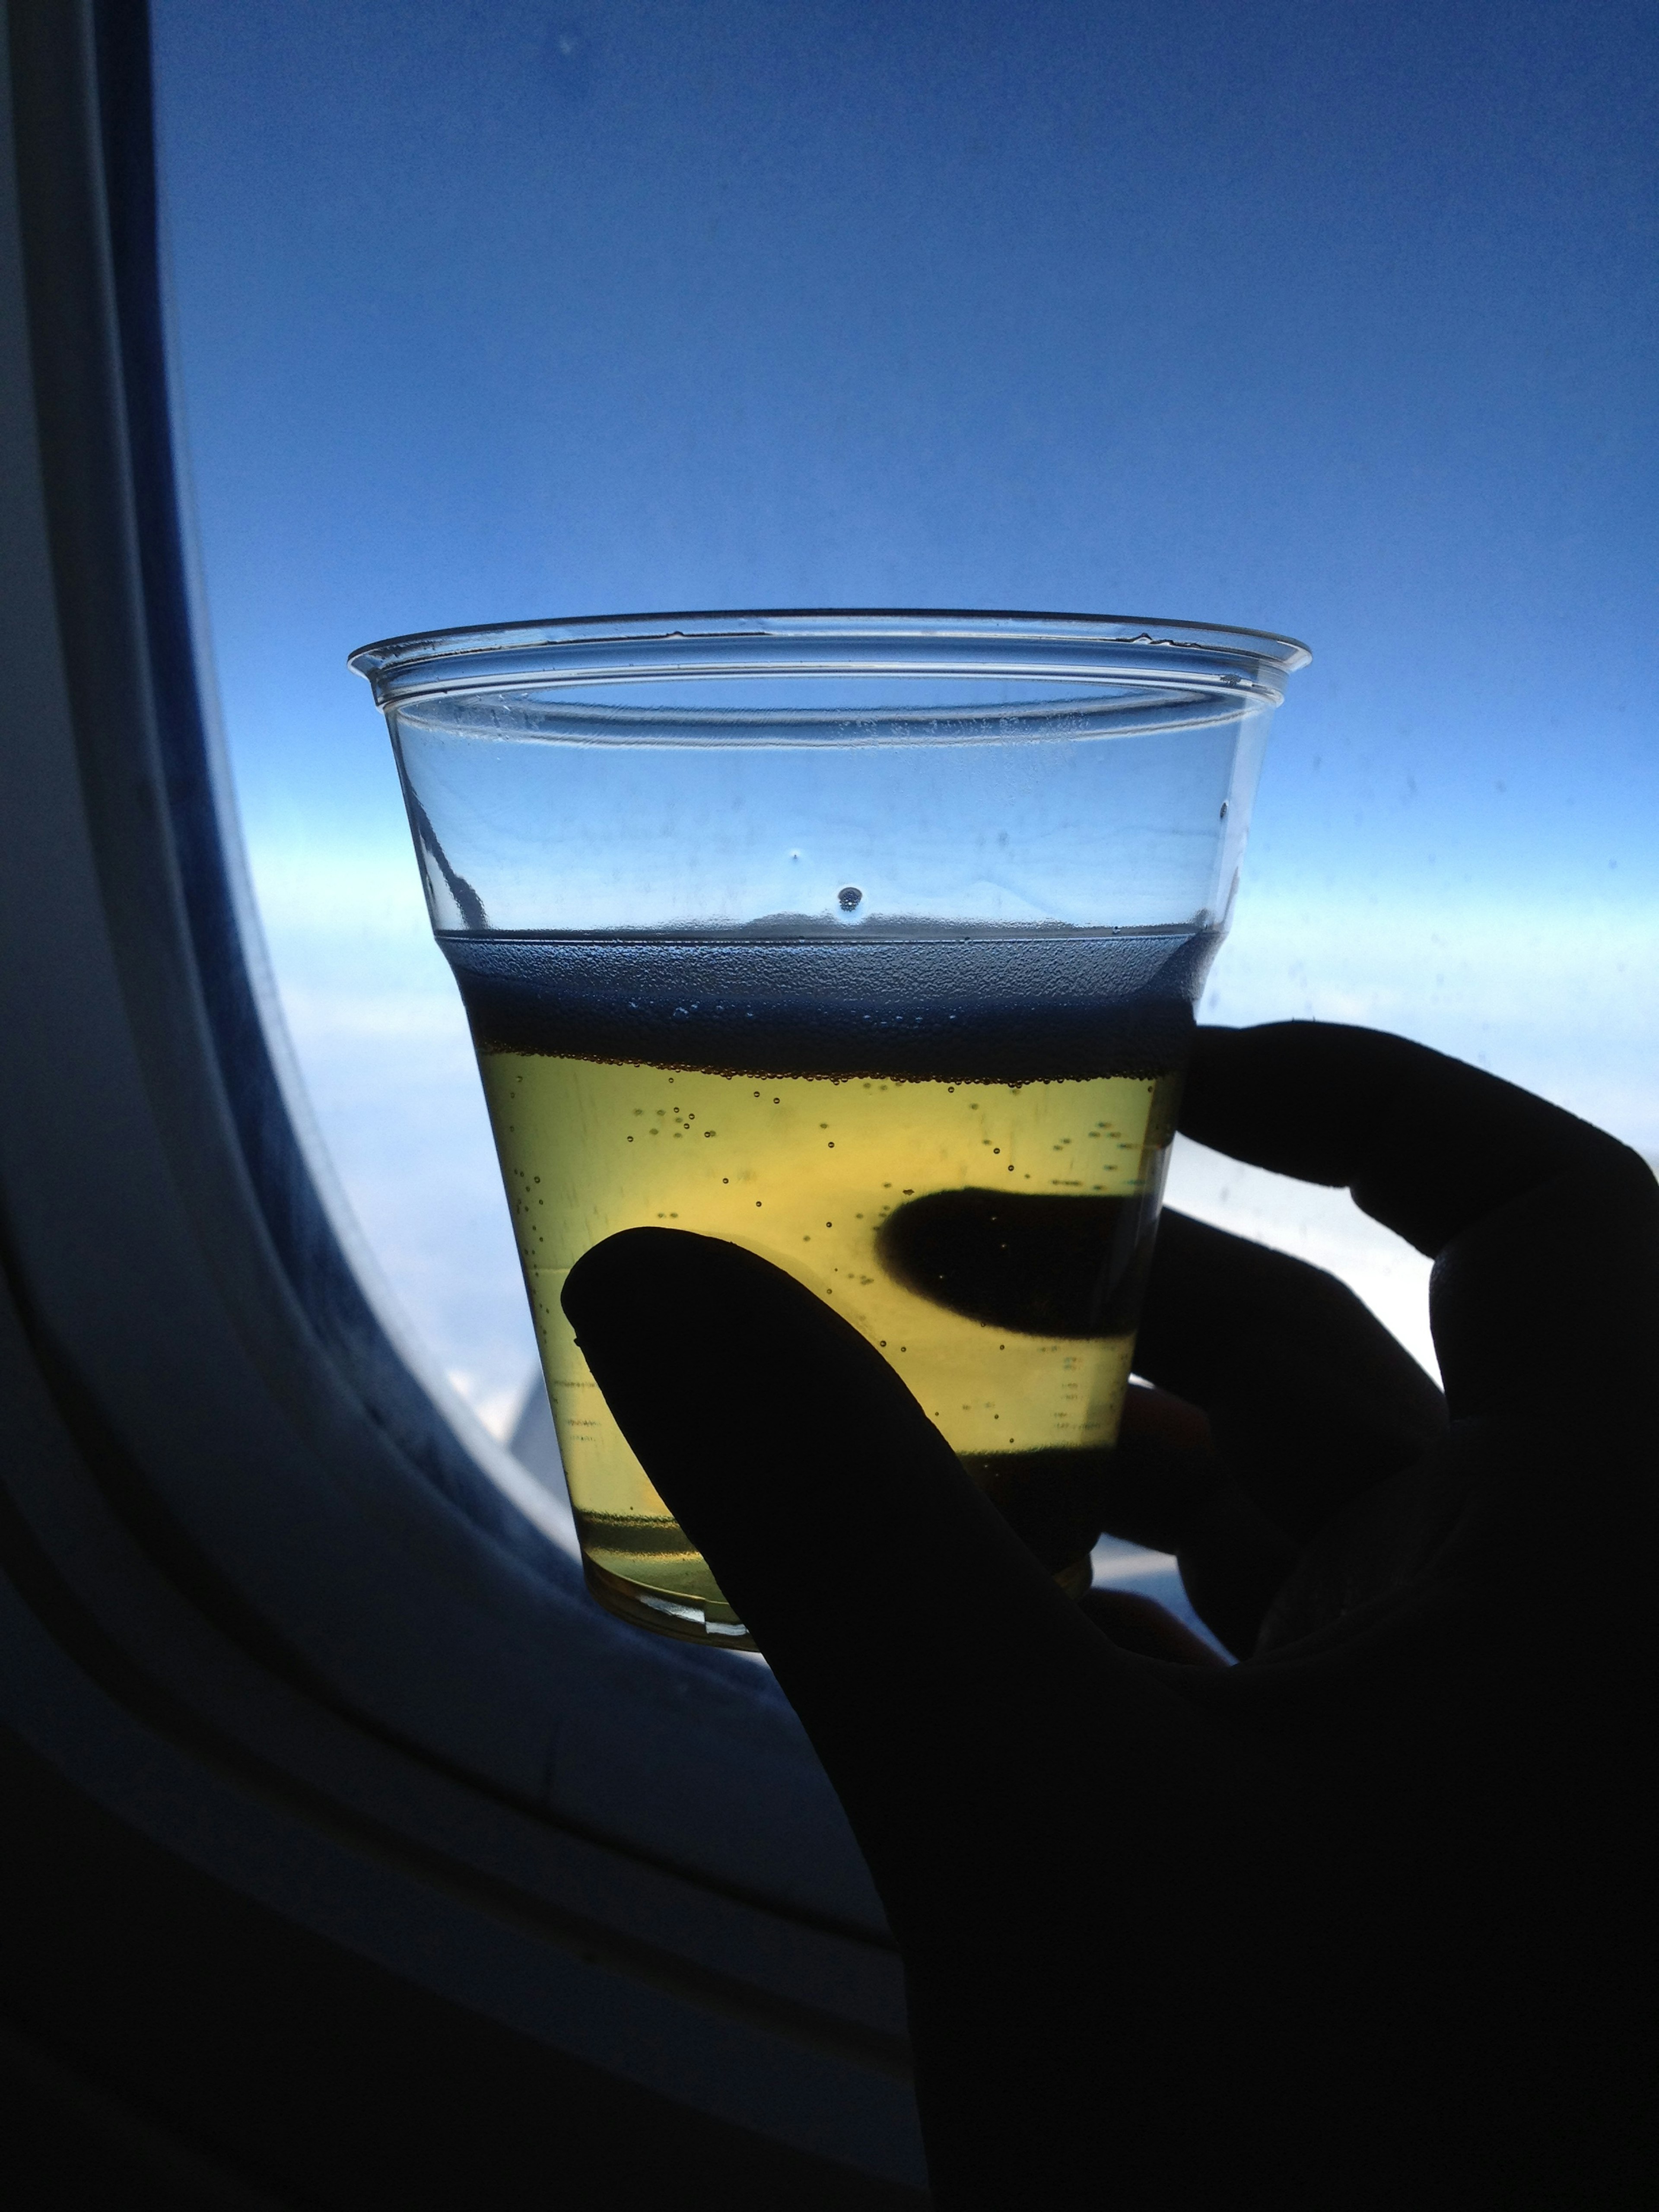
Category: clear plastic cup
[868,941]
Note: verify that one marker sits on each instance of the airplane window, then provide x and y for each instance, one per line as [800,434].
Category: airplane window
[1327,323]
[1331,323]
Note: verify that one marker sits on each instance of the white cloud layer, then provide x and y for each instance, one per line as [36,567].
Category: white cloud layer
[1560,1000]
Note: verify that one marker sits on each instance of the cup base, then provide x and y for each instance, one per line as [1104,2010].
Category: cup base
[683,1620]
[689,1624]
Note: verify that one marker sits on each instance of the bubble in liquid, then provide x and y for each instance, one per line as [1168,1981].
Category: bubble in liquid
[849,896]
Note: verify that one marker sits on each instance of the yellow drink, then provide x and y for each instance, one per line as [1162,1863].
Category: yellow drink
[988,1237]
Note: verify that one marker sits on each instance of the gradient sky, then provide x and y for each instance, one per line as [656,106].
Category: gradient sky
[1336,319]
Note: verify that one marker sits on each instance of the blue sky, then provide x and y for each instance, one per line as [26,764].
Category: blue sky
[1336,319]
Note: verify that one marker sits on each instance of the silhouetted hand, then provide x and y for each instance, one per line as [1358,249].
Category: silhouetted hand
[1364,1920]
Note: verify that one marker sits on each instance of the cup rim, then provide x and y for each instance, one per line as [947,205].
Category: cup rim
[926,641]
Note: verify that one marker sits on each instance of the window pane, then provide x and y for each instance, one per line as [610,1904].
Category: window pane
[1337,323]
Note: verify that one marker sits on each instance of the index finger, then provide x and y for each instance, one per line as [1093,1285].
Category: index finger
[1545,1229]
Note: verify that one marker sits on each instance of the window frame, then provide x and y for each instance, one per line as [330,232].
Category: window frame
[264,1599]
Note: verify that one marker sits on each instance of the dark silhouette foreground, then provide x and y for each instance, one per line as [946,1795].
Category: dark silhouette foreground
[1365,1920]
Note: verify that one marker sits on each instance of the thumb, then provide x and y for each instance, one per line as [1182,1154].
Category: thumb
[918,1641]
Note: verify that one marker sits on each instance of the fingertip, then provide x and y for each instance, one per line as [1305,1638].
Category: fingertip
[1160,1418]
[1246,1095]
[640,1262]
